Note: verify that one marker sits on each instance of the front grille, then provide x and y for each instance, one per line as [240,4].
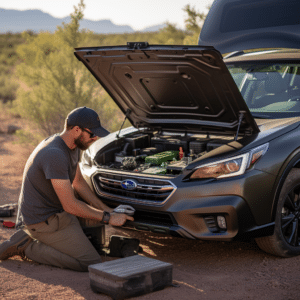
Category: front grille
[148,190]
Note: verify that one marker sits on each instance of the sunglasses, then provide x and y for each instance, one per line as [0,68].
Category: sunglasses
[92,135]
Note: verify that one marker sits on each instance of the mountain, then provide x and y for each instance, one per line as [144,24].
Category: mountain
[154,28]
[36,20]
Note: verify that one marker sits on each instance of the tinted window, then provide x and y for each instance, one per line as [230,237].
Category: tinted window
[245,16]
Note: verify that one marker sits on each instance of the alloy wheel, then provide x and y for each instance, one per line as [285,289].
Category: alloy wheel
[290,216]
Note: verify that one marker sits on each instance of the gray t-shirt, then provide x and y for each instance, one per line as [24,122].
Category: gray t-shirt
[51,159]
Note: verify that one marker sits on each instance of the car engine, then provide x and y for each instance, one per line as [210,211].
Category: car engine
[156,154]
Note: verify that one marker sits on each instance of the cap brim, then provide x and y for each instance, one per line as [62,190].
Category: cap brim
[100,131]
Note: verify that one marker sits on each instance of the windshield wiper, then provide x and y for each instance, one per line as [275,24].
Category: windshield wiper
[260,116]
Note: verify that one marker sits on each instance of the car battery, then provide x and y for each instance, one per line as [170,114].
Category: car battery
[159,158]
[199,145]
[213,144]
[129,277]
[138,141]
[161,142]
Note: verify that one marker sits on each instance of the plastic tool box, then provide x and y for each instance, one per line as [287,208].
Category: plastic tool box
[131,276]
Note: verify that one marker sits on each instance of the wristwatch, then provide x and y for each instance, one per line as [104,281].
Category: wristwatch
[106,217]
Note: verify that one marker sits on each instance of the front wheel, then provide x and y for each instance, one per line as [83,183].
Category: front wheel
[285,241]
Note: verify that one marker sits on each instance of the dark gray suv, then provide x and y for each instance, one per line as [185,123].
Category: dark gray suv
[214,151]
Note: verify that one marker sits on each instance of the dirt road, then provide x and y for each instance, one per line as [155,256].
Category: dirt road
[202,270]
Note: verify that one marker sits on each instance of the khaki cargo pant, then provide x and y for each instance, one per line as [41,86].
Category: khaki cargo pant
[61,243]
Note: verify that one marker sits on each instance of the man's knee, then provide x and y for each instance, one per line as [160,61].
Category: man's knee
[85,264]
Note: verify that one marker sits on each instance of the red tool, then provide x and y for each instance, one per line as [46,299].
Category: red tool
[8,224]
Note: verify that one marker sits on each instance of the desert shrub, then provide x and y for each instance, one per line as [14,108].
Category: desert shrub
[8,88]
[58,81]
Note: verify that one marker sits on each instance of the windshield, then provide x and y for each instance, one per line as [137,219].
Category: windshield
[270,90]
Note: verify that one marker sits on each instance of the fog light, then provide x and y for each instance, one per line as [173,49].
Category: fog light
[221,222]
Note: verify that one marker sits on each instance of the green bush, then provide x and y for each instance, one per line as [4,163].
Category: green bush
[58,81]
[8,88]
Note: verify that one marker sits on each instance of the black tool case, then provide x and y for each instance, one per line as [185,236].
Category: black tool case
[131,276]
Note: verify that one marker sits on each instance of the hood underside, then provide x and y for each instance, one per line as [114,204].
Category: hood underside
[171,87]
[236,25]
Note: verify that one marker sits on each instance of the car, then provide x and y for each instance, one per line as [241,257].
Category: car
[214,150]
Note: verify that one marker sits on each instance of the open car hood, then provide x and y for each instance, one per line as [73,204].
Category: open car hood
[171,87]
[235,25]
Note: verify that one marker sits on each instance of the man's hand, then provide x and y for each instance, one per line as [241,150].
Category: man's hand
[117,219]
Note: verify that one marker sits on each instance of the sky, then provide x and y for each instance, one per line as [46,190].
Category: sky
[138,14]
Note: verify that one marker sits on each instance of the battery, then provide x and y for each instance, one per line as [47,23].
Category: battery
[165,143]
[130,276]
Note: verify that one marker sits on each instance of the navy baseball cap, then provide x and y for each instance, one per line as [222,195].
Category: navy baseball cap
[85,117]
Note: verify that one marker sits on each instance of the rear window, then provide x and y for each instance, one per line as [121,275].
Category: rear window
[245,16]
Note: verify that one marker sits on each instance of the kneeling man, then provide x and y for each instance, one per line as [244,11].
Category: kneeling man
[50,231]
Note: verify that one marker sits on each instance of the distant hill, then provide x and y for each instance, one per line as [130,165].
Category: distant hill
[36,20]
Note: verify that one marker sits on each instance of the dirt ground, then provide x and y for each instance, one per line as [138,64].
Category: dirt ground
[201,270]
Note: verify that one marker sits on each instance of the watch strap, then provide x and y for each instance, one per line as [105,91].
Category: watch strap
[106,217]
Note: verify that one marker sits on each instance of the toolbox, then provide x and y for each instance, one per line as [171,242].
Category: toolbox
[130,276]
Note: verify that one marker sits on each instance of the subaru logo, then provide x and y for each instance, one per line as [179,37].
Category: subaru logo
[129,184]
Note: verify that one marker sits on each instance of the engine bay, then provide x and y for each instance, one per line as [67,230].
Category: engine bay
[156,154]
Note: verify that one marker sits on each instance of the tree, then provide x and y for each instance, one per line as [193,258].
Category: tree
[57,82]
[170,35]
[193,24]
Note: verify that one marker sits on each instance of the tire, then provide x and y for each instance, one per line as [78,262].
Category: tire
[285,241]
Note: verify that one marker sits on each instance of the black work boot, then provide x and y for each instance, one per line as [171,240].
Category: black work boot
[16,245]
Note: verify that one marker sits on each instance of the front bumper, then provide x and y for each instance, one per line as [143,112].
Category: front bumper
[198,221]
[192,210]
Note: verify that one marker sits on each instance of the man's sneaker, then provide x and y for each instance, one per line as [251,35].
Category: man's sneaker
[16,245]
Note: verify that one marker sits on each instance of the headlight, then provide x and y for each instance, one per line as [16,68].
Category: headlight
[232,166]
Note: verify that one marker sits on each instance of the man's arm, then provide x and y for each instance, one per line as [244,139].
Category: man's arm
[84,191]
[71,205]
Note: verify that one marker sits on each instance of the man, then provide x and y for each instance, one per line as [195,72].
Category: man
[51,233]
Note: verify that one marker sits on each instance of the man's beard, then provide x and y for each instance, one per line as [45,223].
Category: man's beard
[79,144]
